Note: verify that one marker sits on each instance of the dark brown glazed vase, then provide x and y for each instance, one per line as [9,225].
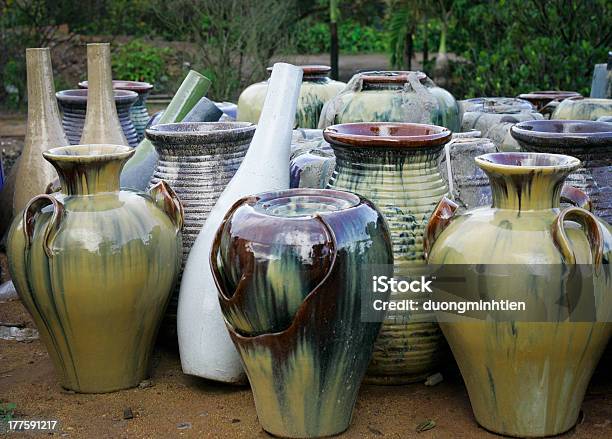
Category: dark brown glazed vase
[290,269]
[542,98]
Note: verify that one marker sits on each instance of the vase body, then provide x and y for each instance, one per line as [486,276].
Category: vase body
[139,169]
[392,97]
[198,160]
[396,166]
[541,99]
[205,347]
[589,141]
[44,131]
[526,377]
[97,302]
[317,88]
[139,115]
[583,109]
[312,160]
[74,108]
[301,302]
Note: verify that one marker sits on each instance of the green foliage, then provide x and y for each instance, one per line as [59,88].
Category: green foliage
[313,36]
[139,61]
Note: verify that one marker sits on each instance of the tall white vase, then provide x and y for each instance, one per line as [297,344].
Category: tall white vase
[205,346]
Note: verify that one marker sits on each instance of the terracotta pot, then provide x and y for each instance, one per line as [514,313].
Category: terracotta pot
[392,97]
[198,160]
[317,88]
[296,319]
[590,141]
[139,115]
[74,107]
[44,131]
[525,377]
[396,166]
[541,99]
[97,302]
[583,109]
[205,347]
[139,169]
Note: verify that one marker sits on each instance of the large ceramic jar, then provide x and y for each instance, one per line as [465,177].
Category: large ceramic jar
[526,373]
[95,266]
[138,112]
[542,98]
[317,88]
[589,141]
[198,160]
[312,160]
[73,104]
[289,268]
[396,166]
[583,109]
[392,97]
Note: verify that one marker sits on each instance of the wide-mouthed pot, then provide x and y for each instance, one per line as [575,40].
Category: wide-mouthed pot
[542,98]
[583,109]
[396,166]
[290,267]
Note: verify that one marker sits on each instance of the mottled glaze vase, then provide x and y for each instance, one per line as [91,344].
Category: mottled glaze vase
[317,88]
[527,377]
[44,131]
[396,166]
[589,141]
[95,267]
[495,105]
[541,99]
[312,160]
[289,267]
[392,97]
[204,343]
[73,104]
[583,109]
[139,115]
[139,169]
[198,160]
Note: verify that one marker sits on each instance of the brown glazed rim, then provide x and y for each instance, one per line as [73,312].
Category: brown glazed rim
[506,162]
[549,94]
[402,135]
[119,84]
[312,70]
[390,77]
[261,202]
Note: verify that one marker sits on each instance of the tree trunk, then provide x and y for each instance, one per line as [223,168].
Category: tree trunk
[409,50]
[425,47]
[333,26]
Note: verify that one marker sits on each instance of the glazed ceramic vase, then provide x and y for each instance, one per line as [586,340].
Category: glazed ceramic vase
[312,160]
[541,99]
[589,141]
[396,166]
[526,374]
[43,131]
[494,117]
[392,97]
[205,347]
[198,160]
[73,104]
[583,109]
[102,123]
[139,115]
[317,88]
[95,266]
[139,169]
[289,266]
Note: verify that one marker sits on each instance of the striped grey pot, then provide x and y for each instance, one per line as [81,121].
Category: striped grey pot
[73,104]
[197,159]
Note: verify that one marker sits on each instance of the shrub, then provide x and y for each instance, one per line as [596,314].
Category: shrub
[139,61]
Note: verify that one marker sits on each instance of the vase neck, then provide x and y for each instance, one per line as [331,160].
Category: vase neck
[89,169]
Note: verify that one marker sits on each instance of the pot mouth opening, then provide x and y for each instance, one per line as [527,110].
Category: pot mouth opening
[526,162]
[387,134]
[304,203]
[120,84]
[80,95]
[311,70]
[390,76]
[549,93]
[88,153]
[561,128]
[199,129]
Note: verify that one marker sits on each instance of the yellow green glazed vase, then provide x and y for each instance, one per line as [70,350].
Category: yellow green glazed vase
[396,166]
[526,374]
[289,269]
[95,266]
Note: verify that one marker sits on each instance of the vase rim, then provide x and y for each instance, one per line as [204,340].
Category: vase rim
[387,134]
[120,84]
[79,95]
[547,94]
[314,202]
[390,76]
[89,153]
[563,133]
[200,131]
[317,70]
[516,163]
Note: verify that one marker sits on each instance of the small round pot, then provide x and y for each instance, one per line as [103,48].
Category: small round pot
[542,98]
[496,105]
[583,109]
[312,160]
[73,104]
[138,112]
[289,268]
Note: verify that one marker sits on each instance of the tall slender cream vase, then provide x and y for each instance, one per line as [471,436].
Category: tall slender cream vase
[205,346]
[44,130]
[101,121]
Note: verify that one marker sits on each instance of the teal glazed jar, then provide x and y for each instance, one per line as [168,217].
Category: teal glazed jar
[396,166]
[289,267]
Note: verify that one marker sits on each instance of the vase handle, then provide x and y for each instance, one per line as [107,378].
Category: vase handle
[576,197]
[166,199]
[34,206]
[439,220]
[589,223]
